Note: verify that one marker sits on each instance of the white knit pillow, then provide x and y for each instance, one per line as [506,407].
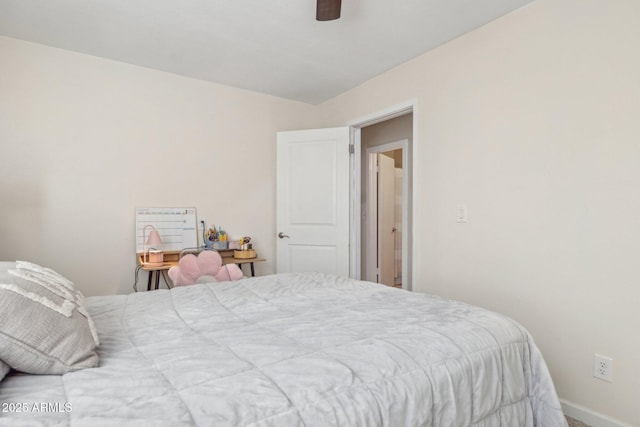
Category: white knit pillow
[4,369]
[44,325]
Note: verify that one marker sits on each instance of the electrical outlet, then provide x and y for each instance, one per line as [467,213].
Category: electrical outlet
[603,367]
[461,213]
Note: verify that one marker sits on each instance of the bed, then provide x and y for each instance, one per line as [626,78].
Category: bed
[293,350]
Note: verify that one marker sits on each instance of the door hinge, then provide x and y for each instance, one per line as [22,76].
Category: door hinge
[352,149]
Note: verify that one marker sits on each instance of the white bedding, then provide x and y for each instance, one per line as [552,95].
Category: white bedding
[294,350]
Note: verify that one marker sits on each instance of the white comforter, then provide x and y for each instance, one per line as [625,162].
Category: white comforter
[294,350]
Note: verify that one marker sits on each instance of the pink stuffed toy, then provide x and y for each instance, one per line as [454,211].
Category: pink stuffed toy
[208,263]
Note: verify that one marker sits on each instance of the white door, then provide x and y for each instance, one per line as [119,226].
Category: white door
[386,219]
[313,201]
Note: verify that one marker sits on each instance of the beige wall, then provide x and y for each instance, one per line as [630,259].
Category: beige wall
[533,122]
[85,140]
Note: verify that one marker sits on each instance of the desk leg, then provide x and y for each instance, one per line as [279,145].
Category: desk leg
[253,273]
[149,280]
[157,279]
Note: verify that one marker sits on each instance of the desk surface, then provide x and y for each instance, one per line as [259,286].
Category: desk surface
[172,258]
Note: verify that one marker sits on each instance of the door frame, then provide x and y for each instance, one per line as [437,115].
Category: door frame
[373,256]
[410,247]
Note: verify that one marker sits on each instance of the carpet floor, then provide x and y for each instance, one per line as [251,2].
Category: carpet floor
[576,423]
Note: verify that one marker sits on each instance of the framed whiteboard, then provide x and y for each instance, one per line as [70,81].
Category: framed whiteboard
[177,227]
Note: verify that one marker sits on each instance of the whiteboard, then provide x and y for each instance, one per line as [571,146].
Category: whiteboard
[176,226]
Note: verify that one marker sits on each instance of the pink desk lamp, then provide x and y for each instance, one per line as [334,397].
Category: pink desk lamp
[154,256]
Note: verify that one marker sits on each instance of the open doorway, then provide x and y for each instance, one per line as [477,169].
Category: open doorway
[383,213]
[385,200]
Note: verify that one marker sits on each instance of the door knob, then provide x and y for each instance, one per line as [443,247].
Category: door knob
[282,235]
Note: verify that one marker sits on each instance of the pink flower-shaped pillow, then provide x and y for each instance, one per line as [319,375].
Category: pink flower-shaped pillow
[208,263]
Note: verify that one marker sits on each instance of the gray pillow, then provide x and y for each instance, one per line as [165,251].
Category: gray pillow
[4,369]
[44,325]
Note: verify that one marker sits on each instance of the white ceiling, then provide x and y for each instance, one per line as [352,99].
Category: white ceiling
[269,46]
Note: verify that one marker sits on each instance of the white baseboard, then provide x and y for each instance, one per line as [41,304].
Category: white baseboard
[589,417]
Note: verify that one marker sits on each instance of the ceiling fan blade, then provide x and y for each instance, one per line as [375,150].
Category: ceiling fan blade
[328,10]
